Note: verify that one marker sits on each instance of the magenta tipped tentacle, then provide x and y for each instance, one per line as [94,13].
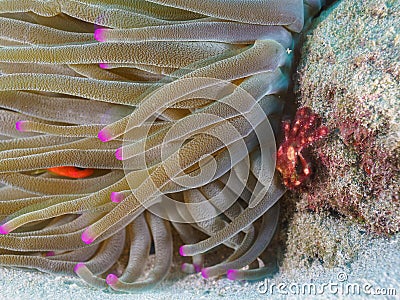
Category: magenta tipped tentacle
[190,268]
[4,229]
[117,197]
[20,125]
[111,279]
[231,274]
[118,154]
[104,135]
[187,268]
[181,250]
[103,66]
[197,268]
[78,266]
[99,34]
[204,273]
[87,238]
[122,78]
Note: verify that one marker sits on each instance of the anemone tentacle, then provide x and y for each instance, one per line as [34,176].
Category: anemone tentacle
[164,107]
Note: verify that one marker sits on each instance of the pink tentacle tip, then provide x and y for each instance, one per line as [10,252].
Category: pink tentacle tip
[111,279]
[116,197]
[99,35]
[204,273]
[184,267]
[104,66]
[104,135]
[86,238]
[181,250]
[20,125]
[50,253]
[231,274]
[197,268]
[78,266]
[4,229]
[118,154]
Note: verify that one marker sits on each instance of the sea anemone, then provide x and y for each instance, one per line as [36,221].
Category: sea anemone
[119,119]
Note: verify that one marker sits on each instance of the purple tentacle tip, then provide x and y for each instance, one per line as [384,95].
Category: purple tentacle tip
[181,251]
[116,197]
[111,279]
[231,274]
[20,125]
[50,253]
[78,266]
[204,273]
[118,154]
[104,135]
[184,266]
[197,268]
[4,229]
[103,66]
[99,35]
[86,238]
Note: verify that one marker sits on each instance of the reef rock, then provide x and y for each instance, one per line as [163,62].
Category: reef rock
[349,73]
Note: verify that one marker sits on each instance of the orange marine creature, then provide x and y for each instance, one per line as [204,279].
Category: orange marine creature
[71,172]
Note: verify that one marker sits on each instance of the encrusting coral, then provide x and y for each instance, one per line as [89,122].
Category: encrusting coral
[119,119]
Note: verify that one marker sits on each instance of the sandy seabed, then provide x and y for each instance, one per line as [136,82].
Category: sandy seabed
[376,270]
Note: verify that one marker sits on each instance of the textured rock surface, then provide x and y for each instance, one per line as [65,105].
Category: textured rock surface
[349,74]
